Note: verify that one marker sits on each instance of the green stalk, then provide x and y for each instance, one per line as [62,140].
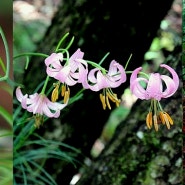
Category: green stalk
[5,77]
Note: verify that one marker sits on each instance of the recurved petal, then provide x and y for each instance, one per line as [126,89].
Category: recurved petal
[96,80]
[22,98]
[116,75]
[170,86]
[55,105]
[82,74]
[24,101]
[50,114]
[78,54]
[92,75]
[53,58]
[137,89]
[19,94]
[117,71]
[134,74]
[174,74]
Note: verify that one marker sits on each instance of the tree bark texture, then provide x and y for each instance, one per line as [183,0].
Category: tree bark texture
[99,27]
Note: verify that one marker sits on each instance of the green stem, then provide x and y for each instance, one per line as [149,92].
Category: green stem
[151,105]
[128,61]
[155,106]
[141,73]
[96,65]
[70,43]
[7,56]
[61,40]
[160,107]
[103,58]
[45,84]
[31,54]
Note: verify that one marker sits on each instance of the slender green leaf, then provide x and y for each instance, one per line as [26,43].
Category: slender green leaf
[6,115]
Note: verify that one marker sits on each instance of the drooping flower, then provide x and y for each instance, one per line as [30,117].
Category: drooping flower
[99,79]
[155,87]
[39,104]
[72,71]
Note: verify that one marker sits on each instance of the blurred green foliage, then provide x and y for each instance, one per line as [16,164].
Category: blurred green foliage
[5,7]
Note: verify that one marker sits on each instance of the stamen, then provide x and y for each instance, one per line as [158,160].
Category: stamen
[107,100]
[108,95]
[149,120]
[155,122]
[66,95]
[169,118]
[102,98]
[54,95]
[166,119]
[113,98]
[63,90]
[161,115]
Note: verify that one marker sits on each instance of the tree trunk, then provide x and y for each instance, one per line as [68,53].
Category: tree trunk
[99,27]
[136,155]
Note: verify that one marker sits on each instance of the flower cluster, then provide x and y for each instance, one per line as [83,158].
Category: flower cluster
[69,70]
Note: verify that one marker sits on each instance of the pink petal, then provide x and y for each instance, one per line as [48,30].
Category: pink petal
[36,105]
[137,89]
[116,74]
[154,87]
[102,81]
[63,74]
[19,94]
[77,55]
[134,74]
[170,86]
[53,63]
[39,104]
[174,75]
[21,98]
[53,58]
[92,75]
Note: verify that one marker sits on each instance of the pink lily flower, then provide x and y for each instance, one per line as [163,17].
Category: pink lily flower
[157,87]
[72,72]
[39,104]
[112,79]
[154,85]
[99,79]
